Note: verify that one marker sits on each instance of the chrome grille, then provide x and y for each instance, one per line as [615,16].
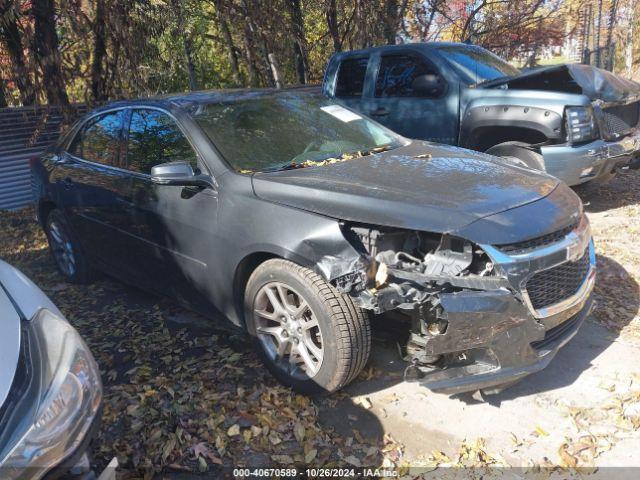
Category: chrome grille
[556,284]
[620,119]
[537,242]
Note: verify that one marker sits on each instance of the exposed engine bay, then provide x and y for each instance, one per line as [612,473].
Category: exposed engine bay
[408,274]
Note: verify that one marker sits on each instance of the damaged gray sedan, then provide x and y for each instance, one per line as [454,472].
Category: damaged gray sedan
[298,220]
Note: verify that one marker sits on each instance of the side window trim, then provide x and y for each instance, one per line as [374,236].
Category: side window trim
[201,163]
[417,55]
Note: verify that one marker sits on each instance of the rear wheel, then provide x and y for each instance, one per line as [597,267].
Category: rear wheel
[65,249]
[519,151]
[310,336]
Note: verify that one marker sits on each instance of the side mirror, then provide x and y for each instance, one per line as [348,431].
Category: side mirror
[180,174]
[428,85]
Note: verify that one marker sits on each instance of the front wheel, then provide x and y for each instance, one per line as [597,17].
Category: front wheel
[519,151]
[310,336]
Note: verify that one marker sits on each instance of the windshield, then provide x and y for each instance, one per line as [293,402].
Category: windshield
[290,131]
[475,64]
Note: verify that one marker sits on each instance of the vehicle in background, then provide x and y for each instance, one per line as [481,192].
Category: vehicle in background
[50,388]
[297,219]
[576,122]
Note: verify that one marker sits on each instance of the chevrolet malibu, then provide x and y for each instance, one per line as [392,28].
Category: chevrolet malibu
[50,389]
[298,220]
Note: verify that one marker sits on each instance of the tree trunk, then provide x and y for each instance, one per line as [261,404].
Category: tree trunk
[191,69]
[99,51]
[10,38]
[275,70]
[390,26]
[249,56]
[3,98]
[45,43]
[299,46]
[331,13]
[231,48]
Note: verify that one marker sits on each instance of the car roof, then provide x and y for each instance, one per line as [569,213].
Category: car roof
[203,97]
[412,45]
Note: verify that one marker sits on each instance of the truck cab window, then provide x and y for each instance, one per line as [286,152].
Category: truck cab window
[351,76]
[397,74]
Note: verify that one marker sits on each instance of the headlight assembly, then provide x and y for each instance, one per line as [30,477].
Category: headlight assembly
[59,404]
[580,124]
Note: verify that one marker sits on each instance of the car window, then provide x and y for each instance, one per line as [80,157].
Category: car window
[99,140]
[475,64]
[288,130]
[154,138]
[351,75]
[397,73]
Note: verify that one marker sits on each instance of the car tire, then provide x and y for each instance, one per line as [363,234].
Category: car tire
[66,250]
[316,340]
[520,151]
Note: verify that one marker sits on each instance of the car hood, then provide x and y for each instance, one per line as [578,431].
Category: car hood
[9,344]
[421,186]
[595,83]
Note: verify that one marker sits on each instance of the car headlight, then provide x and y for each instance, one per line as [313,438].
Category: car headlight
[61,399]
[580,124]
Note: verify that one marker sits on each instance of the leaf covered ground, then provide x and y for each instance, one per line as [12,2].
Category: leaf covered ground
[183,395]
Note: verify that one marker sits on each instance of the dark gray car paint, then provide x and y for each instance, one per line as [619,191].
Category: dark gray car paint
[205,235]
[442,193]
[200,244]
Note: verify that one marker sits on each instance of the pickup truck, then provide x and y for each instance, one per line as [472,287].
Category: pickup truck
[576,122]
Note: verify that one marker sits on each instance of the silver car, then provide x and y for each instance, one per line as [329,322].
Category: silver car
[50,388]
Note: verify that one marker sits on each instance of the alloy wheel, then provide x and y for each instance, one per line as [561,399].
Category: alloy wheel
[62,249]
[288,330]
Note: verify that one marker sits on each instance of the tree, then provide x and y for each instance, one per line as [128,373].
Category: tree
[98,83]
[10,38]
[299,46]
[45,46]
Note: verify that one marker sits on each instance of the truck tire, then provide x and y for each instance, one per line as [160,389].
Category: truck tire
[65,249]
[311,337]
[520,151]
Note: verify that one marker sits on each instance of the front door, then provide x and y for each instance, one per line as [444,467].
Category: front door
[426,115]
[169,224]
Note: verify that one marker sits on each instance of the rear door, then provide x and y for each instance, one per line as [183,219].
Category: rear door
[397,105]
[93,187]
[168,224]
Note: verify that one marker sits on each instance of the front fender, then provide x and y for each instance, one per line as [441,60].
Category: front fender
[479,118]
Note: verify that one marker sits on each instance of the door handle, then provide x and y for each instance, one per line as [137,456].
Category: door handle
[380,112]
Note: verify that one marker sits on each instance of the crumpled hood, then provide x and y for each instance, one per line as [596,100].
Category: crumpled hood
[595,83]
[451,189]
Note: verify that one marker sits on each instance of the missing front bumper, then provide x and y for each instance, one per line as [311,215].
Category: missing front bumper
[500,353]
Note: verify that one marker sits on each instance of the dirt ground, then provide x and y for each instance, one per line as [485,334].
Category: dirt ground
[184,396]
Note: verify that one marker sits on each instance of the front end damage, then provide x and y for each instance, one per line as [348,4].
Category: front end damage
[477,316]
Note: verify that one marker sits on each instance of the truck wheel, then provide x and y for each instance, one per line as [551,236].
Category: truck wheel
[520,151]
[311,337]
[65,249]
